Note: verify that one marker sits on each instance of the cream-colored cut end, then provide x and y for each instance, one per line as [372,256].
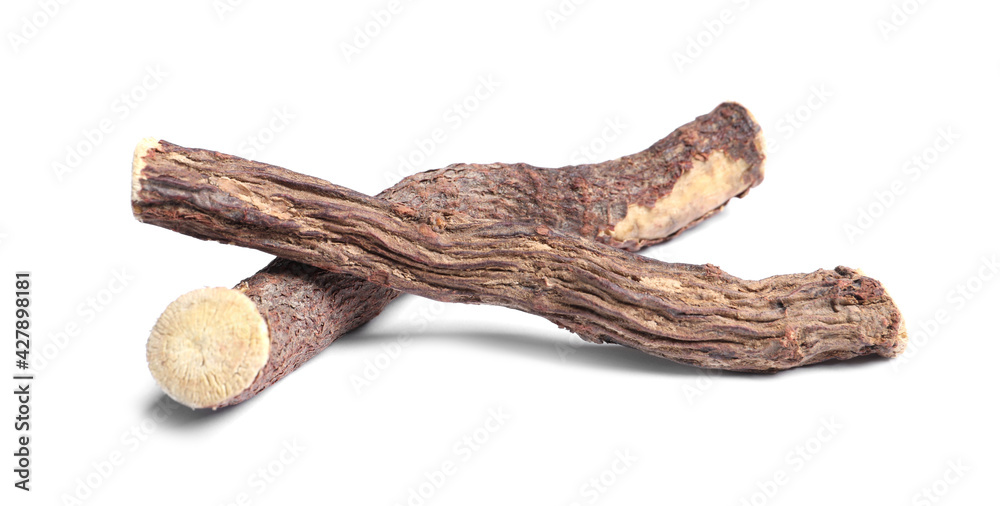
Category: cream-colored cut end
[707,185]
[208,346]
[138,164]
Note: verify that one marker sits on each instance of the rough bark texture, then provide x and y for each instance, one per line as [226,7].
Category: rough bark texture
[687,313]
[308,308]
[590,200]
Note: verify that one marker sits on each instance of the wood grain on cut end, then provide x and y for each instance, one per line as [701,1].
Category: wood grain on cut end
[207,347]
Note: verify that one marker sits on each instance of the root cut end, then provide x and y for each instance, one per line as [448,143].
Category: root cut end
[208,346]
[141,149]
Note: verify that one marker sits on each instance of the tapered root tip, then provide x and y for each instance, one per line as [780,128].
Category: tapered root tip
[208,346]
[888,325]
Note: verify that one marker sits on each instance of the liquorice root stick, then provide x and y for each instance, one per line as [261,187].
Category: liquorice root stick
[630,202]
[691,314]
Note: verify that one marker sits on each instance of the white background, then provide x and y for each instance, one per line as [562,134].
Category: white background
[880,97]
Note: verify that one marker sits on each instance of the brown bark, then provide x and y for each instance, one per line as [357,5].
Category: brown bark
[307,308]
[687,313]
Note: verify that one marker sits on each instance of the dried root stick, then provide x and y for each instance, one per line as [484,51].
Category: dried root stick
[285,314]
[687,313]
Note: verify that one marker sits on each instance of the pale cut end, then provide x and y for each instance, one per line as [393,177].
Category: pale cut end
[759,141]
[138,163]
[901,339]
[208,346]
